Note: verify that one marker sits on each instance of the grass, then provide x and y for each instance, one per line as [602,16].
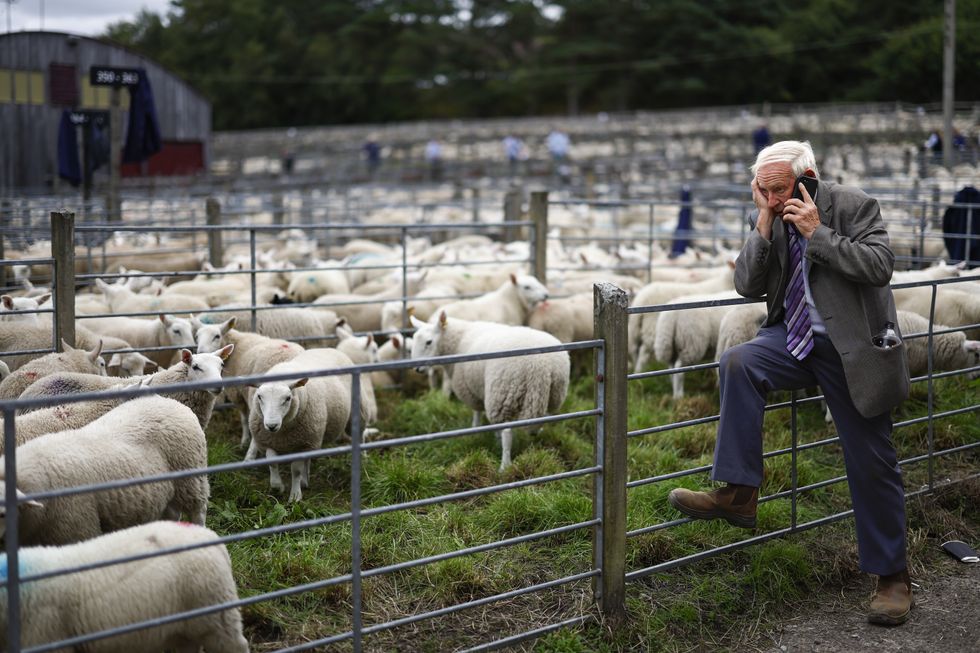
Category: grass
[715,603]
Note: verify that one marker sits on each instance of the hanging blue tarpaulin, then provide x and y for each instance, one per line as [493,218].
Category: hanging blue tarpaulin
[143,133]
[683,231]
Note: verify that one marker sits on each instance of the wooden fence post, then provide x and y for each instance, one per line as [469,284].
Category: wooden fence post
[215,250]
[539,235]
[609,487]
[277,208]
[63,287]
[512,212]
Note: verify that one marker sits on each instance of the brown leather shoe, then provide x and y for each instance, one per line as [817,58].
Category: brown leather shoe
[892,600]
[736,504]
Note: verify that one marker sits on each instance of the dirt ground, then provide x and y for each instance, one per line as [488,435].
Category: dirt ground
[945,619]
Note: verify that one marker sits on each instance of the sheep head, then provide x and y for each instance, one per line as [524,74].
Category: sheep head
[425,342]
[276,402]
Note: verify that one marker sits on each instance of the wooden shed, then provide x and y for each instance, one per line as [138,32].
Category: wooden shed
[44,73]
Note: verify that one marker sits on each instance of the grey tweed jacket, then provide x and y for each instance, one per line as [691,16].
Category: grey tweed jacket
[850,267]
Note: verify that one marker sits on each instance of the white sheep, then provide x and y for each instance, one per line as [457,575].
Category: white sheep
[686,336]
[147,436]
[951,351]
[63,607]
[364,312]
[953,307]
[307,285]
[123,300]
[302,325]
[255,354]
[423,306]
[194,368]
[511,303]
[569,319]
[69,360]
[504,388]
[642,327]
[25,336]
[11,307]
[296,416]
[166,331]
[939,270]
[143,285]
[739,325]
[361,350]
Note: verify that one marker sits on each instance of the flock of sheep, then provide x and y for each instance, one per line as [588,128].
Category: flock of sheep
[341,315]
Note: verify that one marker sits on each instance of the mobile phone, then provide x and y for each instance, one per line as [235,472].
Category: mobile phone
[810,183]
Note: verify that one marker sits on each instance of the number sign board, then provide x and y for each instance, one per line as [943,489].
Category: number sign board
[111,76]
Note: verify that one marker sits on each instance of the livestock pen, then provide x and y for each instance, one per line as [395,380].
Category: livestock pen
[382,556]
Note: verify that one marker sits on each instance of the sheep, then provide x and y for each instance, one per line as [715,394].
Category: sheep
[69,360]
[298,324]
[34,423]
[63,607]
[509,304]
[642,327]
[166,331]
[256,354]
[686,336]
[296,416]
[4,371]
[505,388]
[308,285]
[423,306]
[21,337]
[569,319]
[953,307]
[143,437]
[739,325]
[11,308]
[940,270]
[951,351]
[365,313]
[361,350]
[124,300]
[139,284]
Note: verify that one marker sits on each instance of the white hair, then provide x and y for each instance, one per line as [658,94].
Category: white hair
[798,154]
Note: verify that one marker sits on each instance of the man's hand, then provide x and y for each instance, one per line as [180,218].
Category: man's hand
[802,213]
[766,217]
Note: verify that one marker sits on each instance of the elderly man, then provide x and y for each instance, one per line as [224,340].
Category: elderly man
[823,264]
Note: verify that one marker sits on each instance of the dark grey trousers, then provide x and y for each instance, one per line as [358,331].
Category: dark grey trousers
[748,372]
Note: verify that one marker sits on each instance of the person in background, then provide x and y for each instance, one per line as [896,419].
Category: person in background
[760,138]
[822,262]
[515,152]
[433,160]
[372,154]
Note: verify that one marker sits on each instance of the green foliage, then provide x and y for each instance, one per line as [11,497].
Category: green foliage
[265,63]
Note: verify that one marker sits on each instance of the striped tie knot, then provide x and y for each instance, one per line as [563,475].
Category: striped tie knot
[799,329]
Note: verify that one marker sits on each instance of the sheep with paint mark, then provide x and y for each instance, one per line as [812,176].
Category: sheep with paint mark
[165,331]
[255,355]
[686,336]
[63,607]
[504,388]
[69,360]
[192,368]
[297,416]
[146,436]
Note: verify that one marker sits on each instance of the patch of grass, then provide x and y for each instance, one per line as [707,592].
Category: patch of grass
[398,478]
[535,509]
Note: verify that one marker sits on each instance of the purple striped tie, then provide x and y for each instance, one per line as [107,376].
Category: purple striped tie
[799,330]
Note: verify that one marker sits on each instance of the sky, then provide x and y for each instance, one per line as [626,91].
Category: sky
[86,17]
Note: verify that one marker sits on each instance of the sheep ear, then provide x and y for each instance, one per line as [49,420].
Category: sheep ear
[417,323]
[370,340]
[299,383]
[411,310]
[228,324]
[115,361]
[513,278]
[226,351]
[65,346]
[103,286]
[442,319]
[149,365]
[32,502]
[166,319]
[185,356]
[731,264]
[43,298]
[95,353]
[207,267]
[196,323]
[159,292]
[8,302]
[123,269]
[396,342]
